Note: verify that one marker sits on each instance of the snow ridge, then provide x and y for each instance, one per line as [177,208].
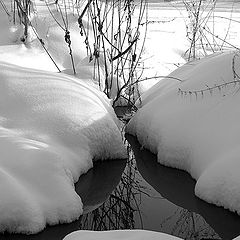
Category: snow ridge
[52,126]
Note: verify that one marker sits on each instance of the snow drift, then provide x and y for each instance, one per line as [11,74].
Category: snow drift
[51,128]
[192,122]
[119,234]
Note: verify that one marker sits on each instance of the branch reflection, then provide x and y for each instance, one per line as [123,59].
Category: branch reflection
[122,207]
[194,218]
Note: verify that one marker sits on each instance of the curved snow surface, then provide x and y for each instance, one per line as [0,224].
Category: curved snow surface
[197,131]
[119,234]
[51,128]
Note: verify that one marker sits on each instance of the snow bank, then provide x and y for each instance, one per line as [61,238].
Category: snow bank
[119,234]
[194,130]
[51,128]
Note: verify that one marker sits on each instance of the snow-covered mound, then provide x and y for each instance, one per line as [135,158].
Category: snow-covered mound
[119,234]
[51,129]
[193,124]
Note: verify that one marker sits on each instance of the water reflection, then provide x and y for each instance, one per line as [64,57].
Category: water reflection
[135,204]
[192,219]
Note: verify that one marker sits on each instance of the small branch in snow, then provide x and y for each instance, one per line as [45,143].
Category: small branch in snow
[219,87]
[5,8]
[83,12]
[217,37]
[235,74]
[145,79]
[43,45]
[125,51]
[161,21]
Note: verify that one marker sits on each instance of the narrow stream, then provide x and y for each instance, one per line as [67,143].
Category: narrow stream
[139,193]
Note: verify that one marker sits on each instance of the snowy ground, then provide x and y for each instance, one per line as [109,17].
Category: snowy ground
[120,234]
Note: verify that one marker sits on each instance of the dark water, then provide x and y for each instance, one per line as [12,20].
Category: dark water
[140,193]
[192,218]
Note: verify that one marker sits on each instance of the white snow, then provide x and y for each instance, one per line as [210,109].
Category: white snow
[119,234]
[52,126]
[199,134]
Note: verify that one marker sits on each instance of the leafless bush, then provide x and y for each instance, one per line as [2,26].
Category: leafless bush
[113,43]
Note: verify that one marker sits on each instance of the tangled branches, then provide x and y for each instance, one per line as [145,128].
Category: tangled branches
[113,44]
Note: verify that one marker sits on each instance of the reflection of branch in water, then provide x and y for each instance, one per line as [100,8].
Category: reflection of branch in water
[189,225]
[122,206]
[177,187]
